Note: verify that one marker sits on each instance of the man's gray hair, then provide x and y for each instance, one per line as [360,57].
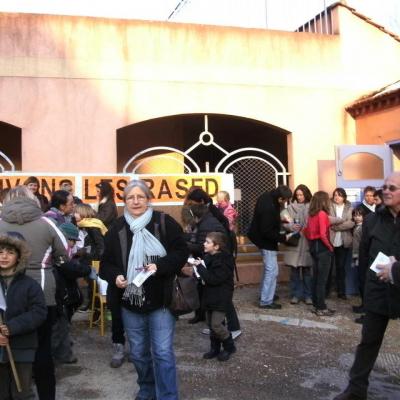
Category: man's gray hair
[141,185]
[20,191]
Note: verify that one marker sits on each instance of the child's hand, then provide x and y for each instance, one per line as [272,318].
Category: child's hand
[4,330]
[198,261]
[3,340]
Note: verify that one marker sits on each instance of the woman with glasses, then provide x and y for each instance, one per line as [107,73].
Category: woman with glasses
[144,250]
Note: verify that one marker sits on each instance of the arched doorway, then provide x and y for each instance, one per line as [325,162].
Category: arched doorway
[10,147]
[254,152]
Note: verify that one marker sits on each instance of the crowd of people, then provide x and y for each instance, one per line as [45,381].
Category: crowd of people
[47,249]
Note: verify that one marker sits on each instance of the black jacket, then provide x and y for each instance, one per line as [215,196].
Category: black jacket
[26,311]
[208,223]
[218,278]
[107,212]
[95,240]
[266,224]
[158,287]
[380,232]
[68,294]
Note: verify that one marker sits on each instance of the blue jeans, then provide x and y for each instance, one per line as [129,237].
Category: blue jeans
[300,282]
[151,338]
[270,274]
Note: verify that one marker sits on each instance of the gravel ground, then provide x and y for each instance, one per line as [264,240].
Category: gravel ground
[283,354]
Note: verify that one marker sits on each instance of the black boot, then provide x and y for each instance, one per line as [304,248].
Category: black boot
[199,316]
[215,348]
[229,348]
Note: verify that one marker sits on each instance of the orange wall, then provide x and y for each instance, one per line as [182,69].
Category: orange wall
[70,82]
[379,127]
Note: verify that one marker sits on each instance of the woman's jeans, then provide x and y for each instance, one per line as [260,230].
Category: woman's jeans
[321,257]
[300,282]
[151,337]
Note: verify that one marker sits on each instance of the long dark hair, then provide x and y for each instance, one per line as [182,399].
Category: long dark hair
[319,202]
[306,192]
[106,190]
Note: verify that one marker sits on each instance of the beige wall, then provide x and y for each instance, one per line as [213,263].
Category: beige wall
[70,82]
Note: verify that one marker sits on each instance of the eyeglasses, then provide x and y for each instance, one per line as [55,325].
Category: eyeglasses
[138,198]
[391,188]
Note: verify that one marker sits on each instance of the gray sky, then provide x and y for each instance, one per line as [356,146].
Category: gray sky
[274,14]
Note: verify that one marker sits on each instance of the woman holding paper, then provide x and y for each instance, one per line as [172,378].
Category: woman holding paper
[144,249]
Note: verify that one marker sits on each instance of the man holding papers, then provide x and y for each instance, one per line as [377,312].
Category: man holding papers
[380,238]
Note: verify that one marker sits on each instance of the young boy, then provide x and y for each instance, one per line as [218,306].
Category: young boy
[216,271]
[23,310]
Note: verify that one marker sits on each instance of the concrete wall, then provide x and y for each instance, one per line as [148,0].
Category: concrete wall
[70,82]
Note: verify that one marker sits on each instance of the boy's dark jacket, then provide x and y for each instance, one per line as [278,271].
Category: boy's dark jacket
[26,309]
[218,278]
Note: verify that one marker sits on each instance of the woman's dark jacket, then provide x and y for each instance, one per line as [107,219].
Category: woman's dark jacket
[107,212]
[380,232]
[158,287]
[95,240]
[26,311]
[218,278]
[44,202]
[208,223]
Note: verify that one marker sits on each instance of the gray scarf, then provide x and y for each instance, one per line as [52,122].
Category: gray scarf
[145,249]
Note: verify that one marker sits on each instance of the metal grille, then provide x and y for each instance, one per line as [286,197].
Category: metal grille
[253,177]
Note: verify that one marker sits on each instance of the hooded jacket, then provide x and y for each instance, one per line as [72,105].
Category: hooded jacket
[48,245]
[26,307]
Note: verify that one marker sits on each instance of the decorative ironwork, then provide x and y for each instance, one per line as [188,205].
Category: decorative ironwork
[4,160]
[254,170]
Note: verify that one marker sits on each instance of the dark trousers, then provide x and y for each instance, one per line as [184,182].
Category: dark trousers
[114,305]
[43,366]
[321,257]
[341,254]
[216,323]
[8,388]
[373,331]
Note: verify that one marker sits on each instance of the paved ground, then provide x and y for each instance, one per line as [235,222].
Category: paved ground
[282,355]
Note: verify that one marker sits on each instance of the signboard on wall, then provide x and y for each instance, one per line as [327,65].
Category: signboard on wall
[166,189]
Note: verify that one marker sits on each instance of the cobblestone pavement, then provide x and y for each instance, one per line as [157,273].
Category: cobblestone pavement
[283,354]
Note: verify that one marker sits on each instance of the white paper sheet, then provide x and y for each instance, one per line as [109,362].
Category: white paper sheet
[381,259]
[142,277]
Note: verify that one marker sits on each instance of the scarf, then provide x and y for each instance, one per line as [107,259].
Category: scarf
[145,249]
[370,207]
[93,223]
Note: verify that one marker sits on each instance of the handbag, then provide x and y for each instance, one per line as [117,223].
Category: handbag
[293,240]
[185,296]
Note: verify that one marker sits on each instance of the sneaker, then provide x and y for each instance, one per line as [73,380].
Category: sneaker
[205,331]
[294,300]
[308,301]
[119,355]
[236,334]
[272,306]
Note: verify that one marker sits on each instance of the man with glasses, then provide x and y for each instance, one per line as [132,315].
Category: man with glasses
[381,233]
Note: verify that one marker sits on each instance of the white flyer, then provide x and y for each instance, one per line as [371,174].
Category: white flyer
[381,259]
[142,277]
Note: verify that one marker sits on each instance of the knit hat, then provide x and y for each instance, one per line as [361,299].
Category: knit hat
[69,230]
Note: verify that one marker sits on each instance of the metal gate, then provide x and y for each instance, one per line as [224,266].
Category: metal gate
[254,170]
